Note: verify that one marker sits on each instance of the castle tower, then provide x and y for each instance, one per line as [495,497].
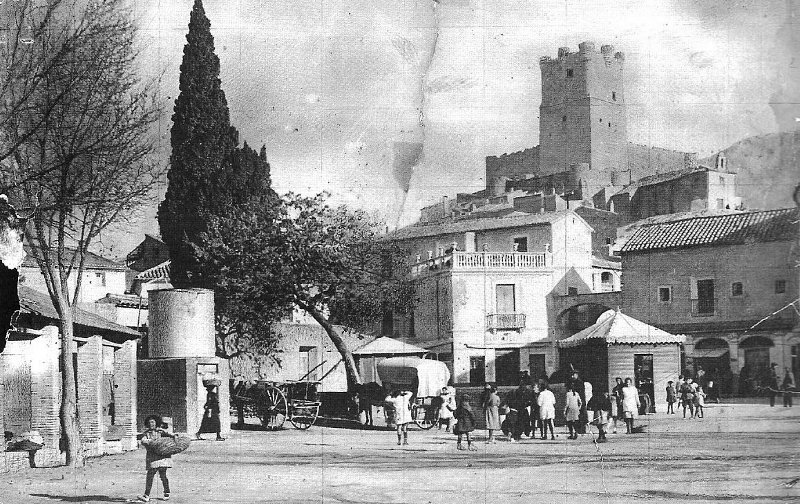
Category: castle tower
[582,115]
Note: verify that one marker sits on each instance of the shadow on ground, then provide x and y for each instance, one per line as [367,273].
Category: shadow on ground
[331,423]
[81,498]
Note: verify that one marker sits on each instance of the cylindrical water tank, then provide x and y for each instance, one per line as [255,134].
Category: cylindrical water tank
[181,323]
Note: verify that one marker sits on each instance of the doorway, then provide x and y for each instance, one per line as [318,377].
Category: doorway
[506,367]
[643,376]
[477,370]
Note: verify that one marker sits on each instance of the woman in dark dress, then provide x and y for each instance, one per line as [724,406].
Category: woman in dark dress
[211,423]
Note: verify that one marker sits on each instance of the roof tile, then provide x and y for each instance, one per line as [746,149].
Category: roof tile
[728,229]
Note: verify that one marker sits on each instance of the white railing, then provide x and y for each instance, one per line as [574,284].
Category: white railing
[485,260]
[505,321]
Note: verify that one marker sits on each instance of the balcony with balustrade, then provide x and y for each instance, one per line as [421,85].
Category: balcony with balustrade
[505,321]
[484,261]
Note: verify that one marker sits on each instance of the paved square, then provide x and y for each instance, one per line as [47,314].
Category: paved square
[737,453]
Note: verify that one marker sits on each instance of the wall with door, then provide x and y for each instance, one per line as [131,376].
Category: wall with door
[665,361]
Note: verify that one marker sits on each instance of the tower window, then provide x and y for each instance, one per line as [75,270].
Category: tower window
[569,72]
[563,118]
[614,95]
[609,124]
[601,119]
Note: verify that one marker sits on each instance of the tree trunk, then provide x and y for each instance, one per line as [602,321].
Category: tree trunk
[70,431]
[353,376]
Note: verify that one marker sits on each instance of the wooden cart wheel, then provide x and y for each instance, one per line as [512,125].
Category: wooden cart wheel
[273,408]
[425,416]
[304,414]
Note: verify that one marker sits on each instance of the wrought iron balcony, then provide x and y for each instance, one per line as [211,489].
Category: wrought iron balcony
[505,321]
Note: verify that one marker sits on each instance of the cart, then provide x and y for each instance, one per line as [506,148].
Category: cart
[276,402]
[425,379]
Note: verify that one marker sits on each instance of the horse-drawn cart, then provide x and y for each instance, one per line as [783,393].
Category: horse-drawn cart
[276,402]
[424,378]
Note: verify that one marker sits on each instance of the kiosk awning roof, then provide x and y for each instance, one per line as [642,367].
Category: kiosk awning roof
[616,328]
[389,346]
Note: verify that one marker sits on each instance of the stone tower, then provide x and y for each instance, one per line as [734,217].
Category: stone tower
[582,115]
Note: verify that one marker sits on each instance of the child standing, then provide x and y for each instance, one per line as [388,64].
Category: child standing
[401,403]
[699,402]
[572,411]
[154,429]
[547,410]
[687,397]
[447,408]
[465,423]
[671,398]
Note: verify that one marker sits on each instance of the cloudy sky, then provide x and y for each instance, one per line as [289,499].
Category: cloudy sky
[340,92]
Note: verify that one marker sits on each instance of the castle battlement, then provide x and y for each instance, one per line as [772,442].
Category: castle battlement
[586,52]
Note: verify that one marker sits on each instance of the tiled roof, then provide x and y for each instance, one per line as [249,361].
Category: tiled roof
[38,303]
[92,261]
[157,272]
[517,219]
[729,229]
[125,301]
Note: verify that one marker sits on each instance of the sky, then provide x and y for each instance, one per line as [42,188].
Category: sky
[391,104]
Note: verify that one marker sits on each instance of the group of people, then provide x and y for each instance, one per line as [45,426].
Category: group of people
[688,394]
[456,415]
[786,387]
[532,407]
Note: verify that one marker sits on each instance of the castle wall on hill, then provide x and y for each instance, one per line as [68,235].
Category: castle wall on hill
[644,161]
[515,165]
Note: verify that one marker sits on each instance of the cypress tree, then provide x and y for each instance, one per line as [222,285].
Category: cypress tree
[202,141]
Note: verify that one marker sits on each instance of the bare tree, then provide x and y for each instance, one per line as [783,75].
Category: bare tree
[79,131]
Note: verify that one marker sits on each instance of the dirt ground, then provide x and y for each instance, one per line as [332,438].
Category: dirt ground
[737,453]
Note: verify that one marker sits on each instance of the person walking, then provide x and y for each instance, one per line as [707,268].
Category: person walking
[630,404]
[154,463]
[572,411]
[465,423]
[400,402]
[772,384]
[547,410]
[210,423]
[491,412]
[446,408]
[671,398]
[600,406]
[788,388]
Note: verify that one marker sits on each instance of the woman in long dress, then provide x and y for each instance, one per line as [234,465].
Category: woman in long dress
[491,408]
[210,423]
[630,403]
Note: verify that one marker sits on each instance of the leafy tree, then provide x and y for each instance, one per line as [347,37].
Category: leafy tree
[82,152]
[305,253]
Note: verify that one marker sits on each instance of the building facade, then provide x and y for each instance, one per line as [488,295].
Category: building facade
[483,289]
[728,282]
